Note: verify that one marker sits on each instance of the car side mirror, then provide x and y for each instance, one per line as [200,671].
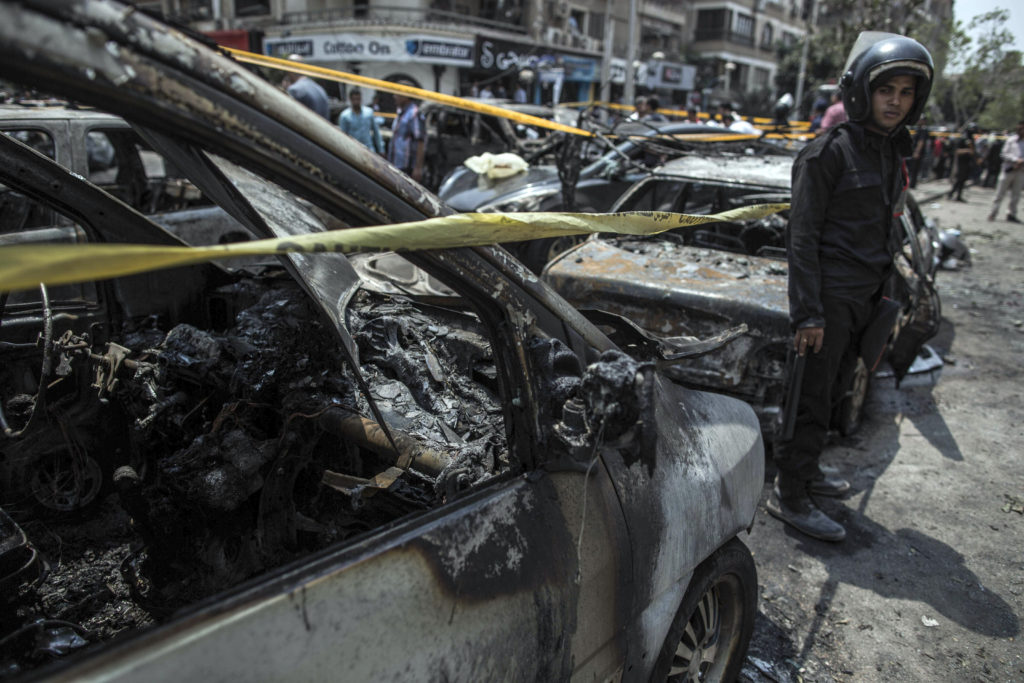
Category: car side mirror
[612,407]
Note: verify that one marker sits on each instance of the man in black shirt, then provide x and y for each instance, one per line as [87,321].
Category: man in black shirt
[849,184]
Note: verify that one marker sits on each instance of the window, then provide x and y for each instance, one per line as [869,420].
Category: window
[761,78]
[711,18]
[745,26]
[249,8]
[767,35]
[660,195]
[577,22]
[25,221]
[712,24]
[18,212]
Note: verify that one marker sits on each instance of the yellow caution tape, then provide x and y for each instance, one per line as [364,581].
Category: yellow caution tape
[25,266]
[399,89]
[760,122]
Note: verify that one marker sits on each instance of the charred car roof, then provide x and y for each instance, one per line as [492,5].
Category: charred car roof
[772,170]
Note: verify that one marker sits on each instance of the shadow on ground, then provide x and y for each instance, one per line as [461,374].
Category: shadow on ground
[902,563]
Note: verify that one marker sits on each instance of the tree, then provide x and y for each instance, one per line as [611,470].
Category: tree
[839,24]
[986,79]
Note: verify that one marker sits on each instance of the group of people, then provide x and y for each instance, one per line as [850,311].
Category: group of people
[972,156]
[407,149]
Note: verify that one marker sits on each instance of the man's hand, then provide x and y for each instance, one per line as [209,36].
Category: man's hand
[808,338]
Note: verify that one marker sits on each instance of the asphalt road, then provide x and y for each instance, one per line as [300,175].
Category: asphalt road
[928,584]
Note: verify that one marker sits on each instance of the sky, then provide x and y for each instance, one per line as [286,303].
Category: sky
[965,10]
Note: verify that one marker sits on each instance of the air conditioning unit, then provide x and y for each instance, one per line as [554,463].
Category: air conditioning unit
[556,36]
[560,8]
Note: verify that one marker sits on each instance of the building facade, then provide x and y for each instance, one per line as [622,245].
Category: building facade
[555,50]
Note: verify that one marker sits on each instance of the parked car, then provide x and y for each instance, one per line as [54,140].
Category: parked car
[600,182]
[709,280]
[105,150]
[454,135]
[639,147]
[314,474]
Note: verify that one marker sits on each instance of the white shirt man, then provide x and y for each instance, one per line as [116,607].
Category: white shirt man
[1013,175]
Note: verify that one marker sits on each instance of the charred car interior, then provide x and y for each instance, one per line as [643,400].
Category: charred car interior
[303,463]
[227,422]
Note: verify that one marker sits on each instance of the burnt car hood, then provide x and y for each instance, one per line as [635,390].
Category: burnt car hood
[650,281]
[466,191]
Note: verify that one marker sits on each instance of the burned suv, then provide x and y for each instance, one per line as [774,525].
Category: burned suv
[717,278]
[294,471]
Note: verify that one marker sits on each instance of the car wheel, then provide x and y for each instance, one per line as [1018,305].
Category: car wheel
[851,407]
[709,636]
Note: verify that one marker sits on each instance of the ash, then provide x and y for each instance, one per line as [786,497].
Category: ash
[218,454]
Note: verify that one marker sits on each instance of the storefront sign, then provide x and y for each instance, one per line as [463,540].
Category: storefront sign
[580,69]
[502,55]
[360,47]
[670,75]
[617,72]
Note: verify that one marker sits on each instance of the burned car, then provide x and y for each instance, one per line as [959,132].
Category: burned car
[600,182]
[707,281]
[105,150]
[453,135]
[568,186]
[285,473]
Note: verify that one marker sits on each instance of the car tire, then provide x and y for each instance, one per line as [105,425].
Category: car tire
[711,631]
[850,412]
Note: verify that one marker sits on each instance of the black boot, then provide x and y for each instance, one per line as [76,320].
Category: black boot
[800,512]
[828,485]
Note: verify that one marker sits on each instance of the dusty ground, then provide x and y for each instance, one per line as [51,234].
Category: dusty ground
[929,583]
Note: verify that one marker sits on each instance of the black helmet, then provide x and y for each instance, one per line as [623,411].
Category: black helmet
[877,55]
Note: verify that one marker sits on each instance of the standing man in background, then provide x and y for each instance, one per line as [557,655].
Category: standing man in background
[408,147]
[836,113]
[307,91]
[1013,175]
[360,122]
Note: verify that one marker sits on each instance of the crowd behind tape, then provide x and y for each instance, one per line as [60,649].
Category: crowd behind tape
[26,266]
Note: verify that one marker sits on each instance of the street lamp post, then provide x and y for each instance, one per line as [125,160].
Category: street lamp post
[802,73]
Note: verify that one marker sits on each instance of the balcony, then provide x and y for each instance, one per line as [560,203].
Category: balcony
[404,16]
[708,34]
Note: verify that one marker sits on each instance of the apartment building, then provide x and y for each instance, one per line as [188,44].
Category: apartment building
[555,48]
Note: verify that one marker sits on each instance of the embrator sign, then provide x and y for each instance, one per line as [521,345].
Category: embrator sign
[333,47]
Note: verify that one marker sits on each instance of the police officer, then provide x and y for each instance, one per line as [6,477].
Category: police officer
[848,186]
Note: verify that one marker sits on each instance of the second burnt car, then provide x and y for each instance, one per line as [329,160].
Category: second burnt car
[453,135]
[594,186]
[290,472]
[105,150]
[708,280]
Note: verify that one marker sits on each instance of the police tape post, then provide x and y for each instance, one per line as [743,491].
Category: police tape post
[26,266]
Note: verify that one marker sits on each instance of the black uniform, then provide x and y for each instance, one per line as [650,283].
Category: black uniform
[848,187]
